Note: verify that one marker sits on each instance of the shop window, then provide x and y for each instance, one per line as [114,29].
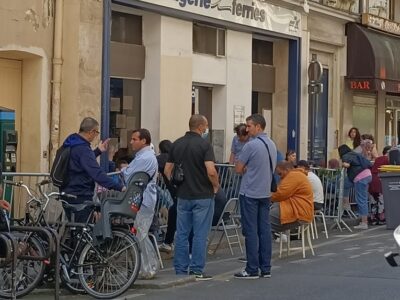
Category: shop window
[126,28]
[263,52]
[208,40]
[125,106]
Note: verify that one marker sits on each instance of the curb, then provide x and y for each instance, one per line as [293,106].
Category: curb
[163,284]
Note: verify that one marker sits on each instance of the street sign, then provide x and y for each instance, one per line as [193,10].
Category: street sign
[315,71]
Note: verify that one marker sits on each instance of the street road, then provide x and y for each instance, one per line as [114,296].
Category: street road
[346,266]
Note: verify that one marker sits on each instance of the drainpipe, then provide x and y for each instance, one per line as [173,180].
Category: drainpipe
[56,80]
[105,79]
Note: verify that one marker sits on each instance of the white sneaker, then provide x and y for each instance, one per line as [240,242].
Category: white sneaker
[361,226]
[165,248]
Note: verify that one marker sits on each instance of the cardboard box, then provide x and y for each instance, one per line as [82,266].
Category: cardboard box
[128,102]
[120,121]
[131,122]
[115,104]
[123,134]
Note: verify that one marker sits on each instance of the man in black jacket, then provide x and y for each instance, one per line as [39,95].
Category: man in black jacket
[83,169]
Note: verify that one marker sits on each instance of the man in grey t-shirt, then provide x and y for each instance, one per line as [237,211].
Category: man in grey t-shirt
[254,163]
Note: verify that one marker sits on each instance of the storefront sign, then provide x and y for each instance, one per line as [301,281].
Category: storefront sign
[252,13]
[390,86]
[361,85]
[381,24]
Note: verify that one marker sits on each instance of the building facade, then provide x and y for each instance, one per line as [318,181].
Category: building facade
[143,63]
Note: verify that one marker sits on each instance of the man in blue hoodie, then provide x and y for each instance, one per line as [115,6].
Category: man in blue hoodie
[84,169]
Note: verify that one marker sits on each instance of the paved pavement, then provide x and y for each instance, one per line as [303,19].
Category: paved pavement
[347,265]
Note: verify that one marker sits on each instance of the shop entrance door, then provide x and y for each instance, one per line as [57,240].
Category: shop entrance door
[392,127]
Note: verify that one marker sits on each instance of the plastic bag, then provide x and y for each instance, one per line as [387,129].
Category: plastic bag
[150,263]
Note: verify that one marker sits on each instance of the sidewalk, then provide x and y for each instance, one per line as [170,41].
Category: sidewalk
[223,261]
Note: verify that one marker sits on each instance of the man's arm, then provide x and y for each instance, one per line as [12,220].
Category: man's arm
[240,167]
[212,175]
[168,170]
[232,158]
[90,165]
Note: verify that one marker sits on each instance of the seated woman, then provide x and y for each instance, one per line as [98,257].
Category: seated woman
[293,201]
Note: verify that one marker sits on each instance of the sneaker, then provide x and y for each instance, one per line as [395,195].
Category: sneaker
[200,276]
[265,275]
[244,275]
[165,248]
[361,226]
[242,259]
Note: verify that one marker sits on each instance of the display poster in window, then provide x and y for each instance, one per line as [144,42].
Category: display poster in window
[254,13]
[238,115]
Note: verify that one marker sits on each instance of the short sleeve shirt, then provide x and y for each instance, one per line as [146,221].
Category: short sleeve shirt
[256,181]
[237,145]
[192,151]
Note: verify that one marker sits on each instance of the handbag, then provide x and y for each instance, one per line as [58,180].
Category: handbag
[178,176]
[274,186]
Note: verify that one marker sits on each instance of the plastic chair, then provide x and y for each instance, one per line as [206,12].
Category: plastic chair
[304,228]
[318,213]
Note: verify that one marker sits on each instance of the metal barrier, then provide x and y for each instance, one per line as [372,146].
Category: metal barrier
[333,184]
[229,180]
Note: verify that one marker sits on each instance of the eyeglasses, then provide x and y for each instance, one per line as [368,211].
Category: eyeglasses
[95,130]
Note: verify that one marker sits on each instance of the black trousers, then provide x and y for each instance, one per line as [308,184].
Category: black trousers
[171,226]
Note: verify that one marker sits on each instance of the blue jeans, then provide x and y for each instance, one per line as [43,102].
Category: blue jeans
[193,215]
[361,190]
[256,228]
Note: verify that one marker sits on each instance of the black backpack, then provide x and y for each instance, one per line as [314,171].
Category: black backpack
[59,170]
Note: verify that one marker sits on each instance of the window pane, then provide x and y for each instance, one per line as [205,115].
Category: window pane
[126,28]
[263,52]
[351,6]
[364,118]
[379,8]
[204,39]
[221,42]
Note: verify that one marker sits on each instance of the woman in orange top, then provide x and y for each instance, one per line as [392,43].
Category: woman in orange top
[293,201]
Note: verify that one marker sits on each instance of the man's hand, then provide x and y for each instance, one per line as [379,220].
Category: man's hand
[103,145]
[4,205]
[346,165]
[123,189]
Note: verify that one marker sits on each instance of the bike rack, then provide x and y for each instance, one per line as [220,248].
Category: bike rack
[12,255]
[54,250]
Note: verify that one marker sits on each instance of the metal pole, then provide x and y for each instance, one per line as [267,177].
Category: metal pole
[105,91]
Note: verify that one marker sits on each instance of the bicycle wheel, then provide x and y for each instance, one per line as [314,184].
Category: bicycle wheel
[108,270]
[29,273]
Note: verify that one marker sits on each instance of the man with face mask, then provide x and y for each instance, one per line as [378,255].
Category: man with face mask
[195,196]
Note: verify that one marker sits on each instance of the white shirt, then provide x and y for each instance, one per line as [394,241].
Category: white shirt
[317,187]
[145,161]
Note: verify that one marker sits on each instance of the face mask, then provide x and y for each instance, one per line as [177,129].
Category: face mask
[204,135]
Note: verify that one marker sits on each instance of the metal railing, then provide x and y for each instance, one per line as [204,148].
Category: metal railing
[333,184]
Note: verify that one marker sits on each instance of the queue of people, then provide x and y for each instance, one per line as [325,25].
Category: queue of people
[198,198]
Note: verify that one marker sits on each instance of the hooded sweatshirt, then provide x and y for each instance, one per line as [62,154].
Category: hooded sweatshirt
[84,170]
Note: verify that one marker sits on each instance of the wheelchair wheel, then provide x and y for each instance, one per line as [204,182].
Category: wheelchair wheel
[108,270]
